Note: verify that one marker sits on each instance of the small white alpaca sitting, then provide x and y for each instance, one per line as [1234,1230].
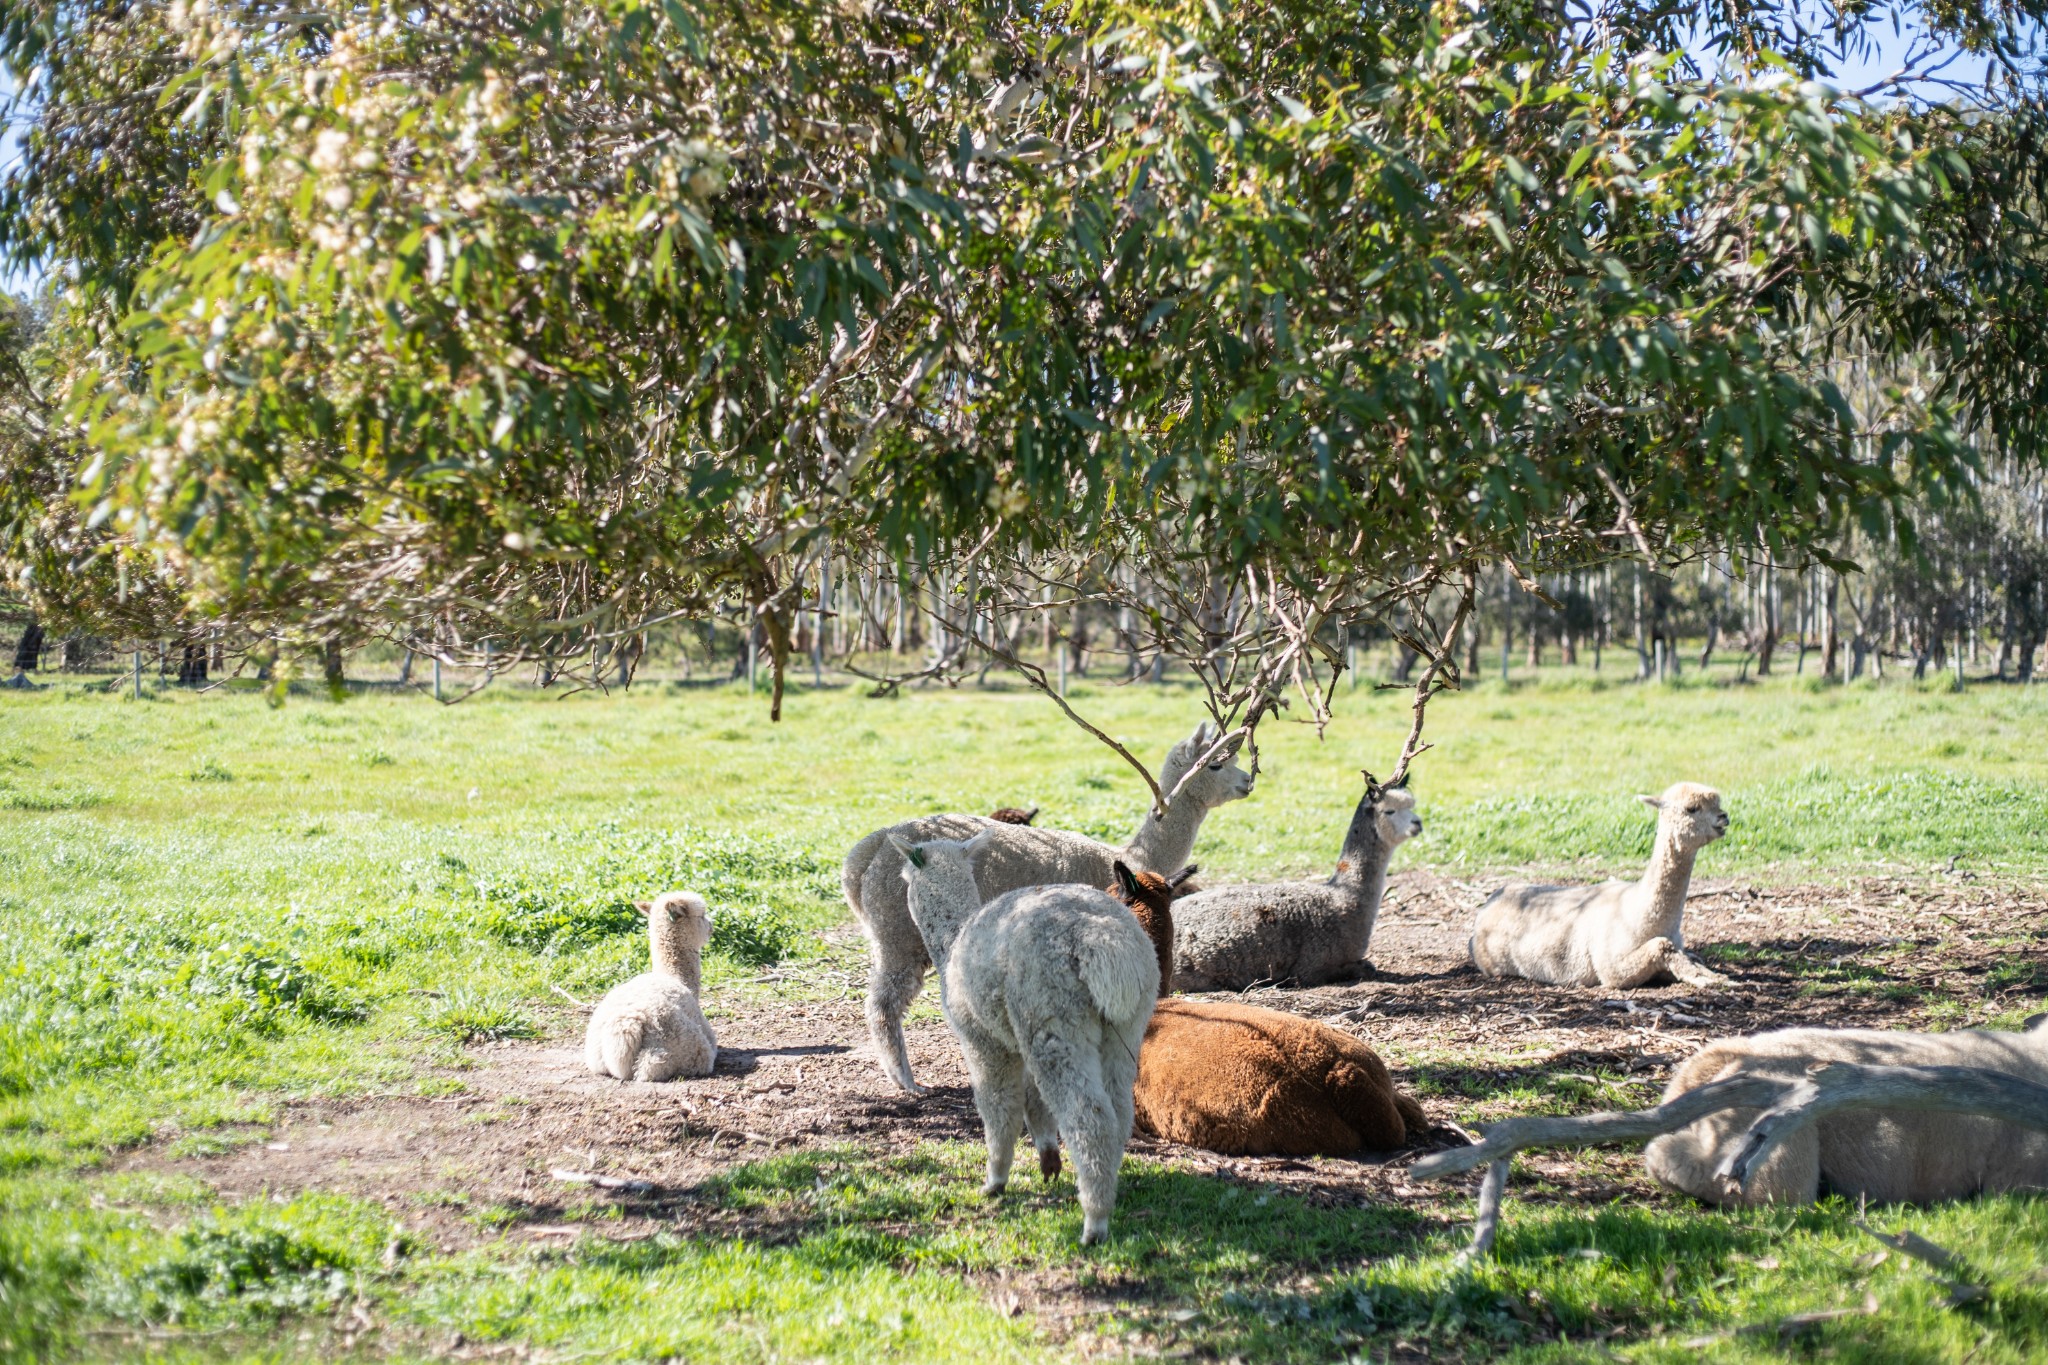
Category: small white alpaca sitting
[1018,856]
[1614,934]
[1886,1156]
[1230,937]
[1049,990]
[652,1028]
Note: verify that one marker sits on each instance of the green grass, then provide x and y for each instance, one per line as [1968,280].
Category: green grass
[206,904]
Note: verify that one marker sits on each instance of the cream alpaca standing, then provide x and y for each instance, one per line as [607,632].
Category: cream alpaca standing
[1886,1156]
[652,1027]
[1018,856]
[1229,937]
[1048,989]
[1614,934]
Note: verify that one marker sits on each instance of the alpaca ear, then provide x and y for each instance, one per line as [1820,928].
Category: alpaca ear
[899,843]
[2036,1023]
[644,907]
[1372,785]
[1173,882]
[1654,802]
[1030,815]
[979,844]
[1126,880]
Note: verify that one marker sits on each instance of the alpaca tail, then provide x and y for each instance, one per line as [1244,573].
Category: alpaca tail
[1412,1117]
[1122,982]
[1367,1101]
[856,867]
[614,1051]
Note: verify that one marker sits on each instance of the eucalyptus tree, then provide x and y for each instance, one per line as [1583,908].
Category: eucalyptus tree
[511,327]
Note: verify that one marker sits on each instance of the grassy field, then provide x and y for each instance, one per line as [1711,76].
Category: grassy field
[209,906]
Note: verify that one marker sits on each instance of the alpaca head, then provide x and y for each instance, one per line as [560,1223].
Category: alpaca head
[1010,815]
[678,919]
[1689,815]
[1393,814]
[1219,780]
[1148,889]
[940,876]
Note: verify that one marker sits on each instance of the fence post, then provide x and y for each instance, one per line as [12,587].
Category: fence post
[135,662]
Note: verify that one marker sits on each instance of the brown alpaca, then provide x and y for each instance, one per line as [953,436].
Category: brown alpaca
[1245,1081]
[1010,815]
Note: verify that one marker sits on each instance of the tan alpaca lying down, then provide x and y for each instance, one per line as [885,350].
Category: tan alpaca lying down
[1615,934]
[1245,1081]
[1899,1156]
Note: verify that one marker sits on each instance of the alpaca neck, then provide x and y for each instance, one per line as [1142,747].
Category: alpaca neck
[671,955]
[1661,892]
[1161,844]
[1362,864]
[1158,926]
[938,922]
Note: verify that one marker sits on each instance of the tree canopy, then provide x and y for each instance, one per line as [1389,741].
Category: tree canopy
[518,318]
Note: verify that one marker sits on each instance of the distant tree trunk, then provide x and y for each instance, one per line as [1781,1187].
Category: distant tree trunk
[1768,643]
[1831,628]
[1644,663]
[27,653]
[28,650]
[220,653]
[1404,662]
[405,670]
[330,665]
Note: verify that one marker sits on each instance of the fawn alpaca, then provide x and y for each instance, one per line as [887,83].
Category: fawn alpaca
[652,1027]
[1615,934]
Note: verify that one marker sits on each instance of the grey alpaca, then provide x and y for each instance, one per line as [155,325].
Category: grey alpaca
[1231,937]
[1614,934]
[1017,856]
[1049,990]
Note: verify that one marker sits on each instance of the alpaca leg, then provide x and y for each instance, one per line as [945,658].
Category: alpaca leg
[1069,1075]
[1639,966]
[891,988]
[999,1096]
[1692,971]
[1045,1131]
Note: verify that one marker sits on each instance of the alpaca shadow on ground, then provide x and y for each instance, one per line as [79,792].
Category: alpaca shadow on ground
[741,1061]
[1552,1073]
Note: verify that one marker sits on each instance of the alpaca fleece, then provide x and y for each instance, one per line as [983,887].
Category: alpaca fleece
[1310,933]
[1886,1156]
[1245,1081]
[652,1027]
[1614,934]
[1048,990]
[1019,856]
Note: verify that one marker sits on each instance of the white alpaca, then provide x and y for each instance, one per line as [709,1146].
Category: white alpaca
[1886,1156]
[1048,990]
[652,1027]
[1229,937]
[1614,934]
[1017,856]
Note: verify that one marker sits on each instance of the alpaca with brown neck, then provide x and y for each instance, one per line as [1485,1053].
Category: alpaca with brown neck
[1245,1081]
[1017,856]
[1616,934]
[1310,933]
[652,1027]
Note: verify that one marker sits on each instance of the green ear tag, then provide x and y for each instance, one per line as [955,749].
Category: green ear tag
[916,856]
